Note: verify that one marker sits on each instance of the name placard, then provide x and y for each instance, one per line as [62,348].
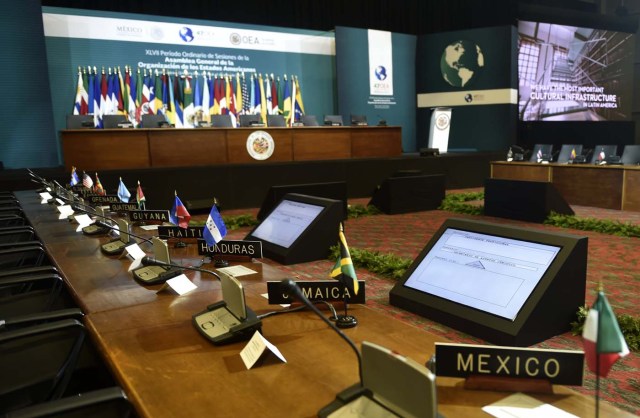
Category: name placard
[149,215]
[329,290]
[123,207]
[561,367]
[177,232]
[241,248]
[106,199]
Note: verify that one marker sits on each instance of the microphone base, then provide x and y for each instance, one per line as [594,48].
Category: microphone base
[150,275]
[221,263]
[208,325]
[346,321]
[95,230]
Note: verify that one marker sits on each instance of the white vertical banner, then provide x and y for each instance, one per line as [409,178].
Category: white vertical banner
[380,63]
[439,129]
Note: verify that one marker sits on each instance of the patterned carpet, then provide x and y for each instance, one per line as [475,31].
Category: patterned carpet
[614,261]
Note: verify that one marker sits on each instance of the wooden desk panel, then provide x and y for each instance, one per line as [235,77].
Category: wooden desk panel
[187,147]
[590,185]
[105,149]
[375,142]
[237,145]
[521,171]
[631,196]
[322,143]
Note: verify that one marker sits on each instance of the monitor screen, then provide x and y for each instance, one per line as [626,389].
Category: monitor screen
[570,73]
[287,222]
[487,272]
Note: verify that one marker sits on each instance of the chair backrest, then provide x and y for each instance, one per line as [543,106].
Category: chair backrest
[602,152]
[567,150]
[359,120]
[541,151]
[248,120]
[80,121]
[276,120]
[221,121]
[29,256]
[309,120]
[153,121]
[631,155]
[333,120]
[112,121]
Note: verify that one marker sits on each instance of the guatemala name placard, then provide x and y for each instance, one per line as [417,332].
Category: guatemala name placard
[329,290]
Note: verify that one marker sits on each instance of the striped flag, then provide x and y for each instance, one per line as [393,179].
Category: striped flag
[86,181]
[140,199]
[603,341]
[179,215]
[74,177]
[81,106]
[215,229]
[97,188]
[343,271]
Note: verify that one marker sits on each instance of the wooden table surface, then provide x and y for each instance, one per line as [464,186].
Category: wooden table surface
[169,370]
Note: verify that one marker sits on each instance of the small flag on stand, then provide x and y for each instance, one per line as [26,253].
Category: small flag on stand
[539,155]
[86,181]
[603,341]
[74,177]
[215,229]
[123,192]
[179,214]
[343,270]
[140,199]
[573,154]
[98,189]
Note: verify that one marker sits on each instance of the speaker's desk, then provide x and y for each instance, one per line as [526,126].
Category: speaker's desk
[603,186]
[111,149]
[168,370]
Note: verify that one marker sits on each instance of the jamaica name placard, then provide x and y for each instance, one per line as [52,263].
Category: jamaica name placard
[560,367]
[149,215]
[328,290]
[240,248]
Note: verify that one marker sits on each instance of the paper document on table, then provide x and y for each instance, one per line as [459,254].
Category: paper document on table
[237,271]
[520,405]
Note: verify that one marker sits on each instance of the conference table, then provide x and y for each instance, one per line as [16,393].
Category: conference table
[602,186]
[168,369]
[113,149]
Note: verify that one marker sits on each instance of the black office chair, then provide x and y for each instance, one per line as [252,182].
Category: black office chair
[24,295]
[333,120]
[114,121]
[221,121]
[276,121]
[566,152]
[40,361]
[248,120]
[309,120]
[80,122]
[602,152]
[359,120]
[630,155]
[24,256]
[153,121]
[110,402]
[11,220]
[13,234]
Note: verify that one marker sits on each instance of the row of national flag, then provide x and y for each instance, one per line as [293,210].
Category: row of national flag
[96,187]
[185,99]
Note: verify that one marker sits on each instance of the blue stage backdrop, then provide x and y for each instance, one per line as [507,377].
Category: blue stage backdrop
[475,73]
[376,78]
[81,38]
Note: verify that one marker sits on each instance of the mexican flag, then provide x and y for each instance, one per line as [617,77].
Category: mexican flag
[603,341]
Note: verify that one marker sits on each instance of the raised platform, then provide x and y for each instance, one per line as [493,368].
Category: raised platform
[245,185]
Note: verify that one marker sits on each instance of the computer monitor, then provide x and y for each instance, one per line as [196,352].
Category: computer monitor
[221,121]
[359,120]
[333,120]
[249,120]
[569,152]
[631,155]
[80,121]
[114,121]
[153,121]
[300,228]
[541,152]
[336,190]
[603,152]
[276,120]
[309,120]
[507,285]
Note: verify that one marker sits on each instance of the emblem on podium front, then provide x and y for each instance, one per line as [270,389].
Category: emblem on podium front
[260,145]
[442,121]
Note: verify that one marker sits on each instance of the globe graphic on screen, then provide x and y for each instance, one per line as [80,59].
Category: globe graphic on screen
[461,63]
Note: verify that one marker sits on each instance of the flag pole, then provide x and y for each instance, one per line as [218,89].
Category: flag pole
[346,320]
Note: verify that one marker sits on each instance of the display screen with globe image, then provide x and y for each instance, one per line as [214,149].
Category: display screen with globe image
[461,63]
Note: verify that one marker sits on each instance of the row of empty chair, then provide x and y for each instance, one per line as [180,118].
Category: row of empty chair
[47,364]
[217,121]
[577,153]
